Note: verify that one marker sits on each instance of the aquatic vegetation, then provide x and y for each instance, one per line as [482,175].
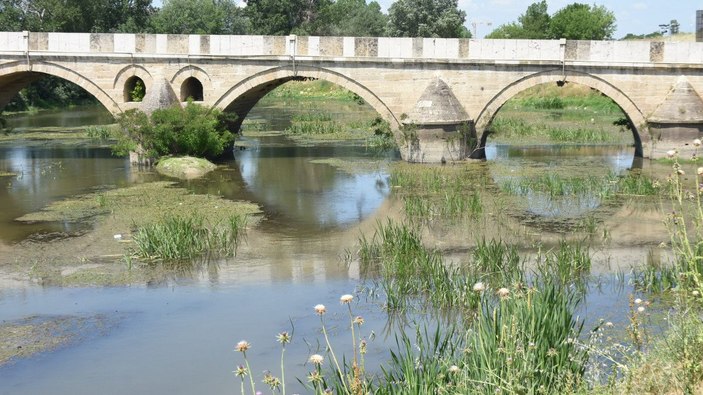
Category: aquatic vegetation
[177,239]
[568,264]
[555,185]
[449,193]
[312,90]
[497,261]
[99,132]
[525,343]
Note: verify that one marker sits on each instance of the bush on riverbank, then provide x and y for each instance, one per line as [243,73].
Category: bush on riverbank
[194,131]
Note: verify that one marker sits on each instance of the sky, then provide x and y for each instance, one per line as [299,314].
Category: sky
[632,16]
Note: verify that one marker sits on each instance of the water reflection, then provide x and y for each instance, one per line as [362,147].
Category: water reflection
[518,165]
[39,176]
[78,116]
[297,192]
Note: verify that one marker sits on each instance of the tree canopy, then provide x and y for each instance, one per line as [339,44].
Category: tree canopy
[200,17]
[426,18]
[75,15]
[583,22]
[575,21]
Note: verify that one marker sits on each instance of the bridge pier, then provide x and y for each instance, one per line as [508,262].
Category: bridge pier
[438,129]
[678,120]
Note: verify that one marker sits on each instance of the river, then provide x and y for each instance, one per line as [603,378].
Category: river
[178,336]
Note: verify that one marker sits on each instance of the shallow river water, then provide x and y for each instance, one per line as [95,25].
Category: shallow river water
[177,337]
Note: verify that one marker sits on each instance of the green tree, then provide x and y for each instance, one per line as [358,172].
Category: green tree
[75,15]
[282,17]
[426,18]
[533,24]
[582,22]
[535,21]
[11,16]
[351,18]
[510,30]
[200,17]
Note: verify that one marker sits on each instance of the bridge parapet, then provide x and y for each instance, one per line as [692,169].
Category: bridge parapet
[365,48]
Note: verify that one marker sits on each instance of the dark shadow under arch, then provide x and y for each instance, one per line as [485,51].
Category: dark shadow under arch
[191,89]
[15,76]
[134,89]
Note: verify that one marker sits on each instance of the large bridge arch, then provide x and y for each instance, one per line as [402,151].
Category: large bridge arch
[243,96]
[633,113]
[16,75]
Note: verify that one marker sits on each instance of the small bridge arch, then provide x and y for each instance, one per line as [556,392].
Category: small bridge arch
[16,75]
[633,113]
[243,96]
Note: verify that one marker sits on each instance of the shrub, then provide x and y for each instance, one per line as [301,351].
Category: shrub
[194,130]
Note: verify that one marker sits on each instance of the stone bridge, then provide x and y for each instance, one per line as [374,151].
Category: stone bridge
[436,93]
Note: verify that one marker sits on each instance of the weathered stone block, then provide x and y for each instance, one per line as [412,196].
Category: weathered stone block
[275,45]
[145,43]
[205,45]
[656,51]
[38,41]
[417,47]
[102,42]
[571,51]
[331,46]
[463,48]
[366,47]
[177,43]
[302,46]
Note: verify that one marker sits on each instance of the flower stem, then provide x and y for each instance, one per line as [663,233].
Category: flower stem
[334,358]
[251,375]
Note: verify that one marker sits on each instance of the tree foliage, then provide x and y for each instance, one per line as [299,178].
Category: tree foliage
[200,17]
[352,18]
[426,18]
[575,22]
[194,130]
[583,22]
[282,17]
[535,21]
[75,15]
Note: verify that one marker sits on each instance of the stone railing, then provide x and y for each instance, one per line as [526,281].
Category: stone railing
[353,47]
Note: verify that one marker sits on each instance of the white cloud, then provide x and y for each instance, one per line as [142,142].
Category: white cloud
[640,6]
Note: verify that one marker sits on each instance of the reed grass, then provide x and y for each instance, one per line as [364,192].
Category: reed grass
[554,185]
[180,239]
[526,344]
[409,273]
[516,128]
[497,262]
[569,264]
[522,343]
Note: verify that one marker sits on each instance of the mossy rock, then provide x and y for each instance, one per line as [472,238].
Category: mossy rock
[185,168]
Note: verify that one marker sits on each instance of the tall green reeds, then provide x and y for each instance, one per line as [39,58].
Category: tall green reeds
[176,239]
[526,343]
[522,342]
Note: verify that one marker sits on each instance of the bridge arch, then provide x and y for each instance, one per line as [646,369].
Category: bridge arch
[186,76]
[16,75]
[125,78]
[633,113]
[242,97]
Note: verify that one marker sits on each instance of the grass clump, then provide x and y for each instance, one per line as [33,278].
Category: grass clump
[409,273]
[180,239]
[522,341]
